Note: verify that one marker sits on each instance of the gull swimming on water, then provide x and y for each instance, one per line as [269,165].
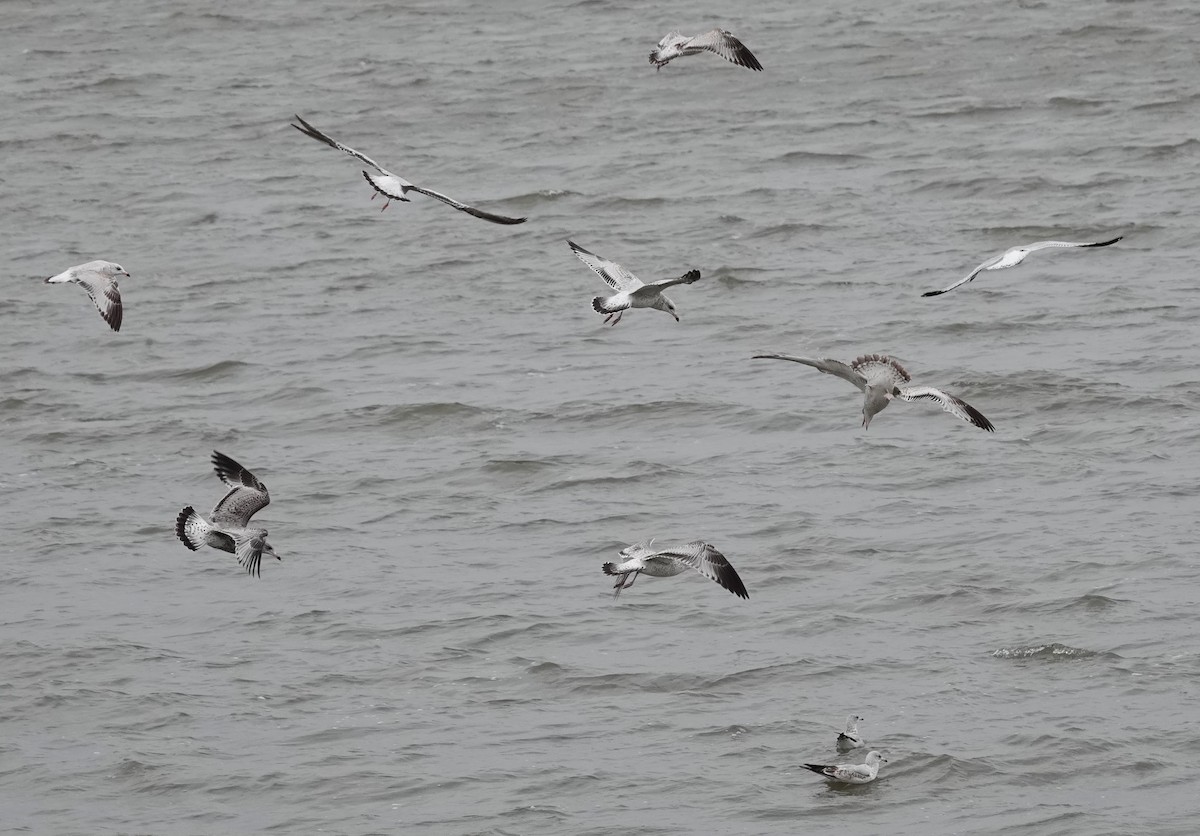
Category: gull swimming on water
[850,738]
[395,187]
[718,41]
[880,379]
[851,773]
[642,558]
[1014,256]
[632,292]
[99,279]
[227,528]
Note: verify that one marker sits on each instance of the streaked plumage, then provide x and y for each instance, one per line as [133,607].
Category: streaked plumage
[1014,256]
[851,773]
[880,378]
[699,556]
[632,292]
[99,279]
[393,186]
[850,738]
[718,42]
[228,528]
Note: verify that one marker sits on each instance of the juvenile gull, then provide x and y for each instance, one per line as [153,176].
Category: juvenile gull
[880,379]
[851,773]
[850,738]
[228,528]
[395,187]
[641,558]
[718,41]
[99,279]
[632,292]
[1014,256]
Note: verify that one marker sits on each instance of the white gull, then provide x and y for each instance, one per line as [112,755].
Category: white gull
[718,41]
[228,528]
[699,556]
[99,279]
[851,773]
[1014,256]
[850,738]
[632,292]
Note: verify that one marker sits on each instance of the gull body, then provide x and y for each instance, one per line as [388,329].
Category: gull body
[1014,256]
[228,526]
[697,556]
[881,378]
[851,773]
[850,739]
[99,279]
[632,292]
[393,186]
[718,41]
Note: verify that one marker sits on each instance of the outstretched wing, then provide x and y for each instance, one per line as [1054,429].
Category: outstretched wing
[728,47]
[989,263]
[105,296]
[1042,245]
[955,406]
[618,277]
[247,497]
[308,130]
[248,550]
[821,364]
[470,210]
[709,562]
[687,278]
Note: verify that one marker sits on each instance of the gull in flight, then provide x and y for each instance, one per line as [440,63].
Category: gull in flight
[851,773]
[99,279]
[227,528]
[1014,256]
[850,738]
[395,187]
[632,292]
[881,378]
[675,44]
[642,558]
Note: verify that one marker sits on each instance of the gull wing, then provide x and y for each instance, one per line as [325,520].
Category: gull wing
[709,562]
[955,406]
[687,278]
[105,295]
[246,498]
[728,47]
[1042,245]
[618,278]
[308,130]
[880,369]
[991,262]
[248,549]
[462,207]
[822,364]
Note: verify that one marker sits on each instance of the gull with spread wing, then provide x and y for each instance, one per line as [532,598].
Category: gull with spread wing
[632,292]
[881,378]
[228,528]
[850,738]
[718,42]
[699,556]
[851,773]
[1014,256]
[99,279]
[395,187]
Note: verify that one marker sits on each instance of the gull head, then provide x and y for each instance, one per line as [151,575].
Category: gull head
[876,398]
[107,269]
[267,548]
[875,759]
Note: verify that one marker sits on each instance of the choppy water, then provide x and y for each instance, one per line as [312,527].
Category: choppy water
[454,444]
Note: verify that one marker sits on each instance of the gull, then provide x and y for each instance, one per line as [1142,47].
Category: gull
[675,44]
[851,773]
[642,558]
[850,738]
[99,279]
[395,187]
[632,292]
[1014,256]
[879,377]
[227,528]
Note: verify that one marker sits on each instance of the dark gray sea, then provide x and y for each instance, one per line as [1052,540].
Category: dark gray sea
[454,443]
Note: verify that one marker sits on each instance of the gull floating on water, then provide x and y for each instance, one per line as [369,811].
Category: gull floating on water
[851,773]
[879,377]
[642,558]
[99,279]
[227,528]
[1014,256]
[632,292]
[850,738]
[395,187]
[718,41]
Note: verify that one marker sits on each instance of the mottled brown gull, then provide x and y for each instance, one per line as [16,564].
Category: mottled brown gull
[718,41]
[698,556]
[228,528]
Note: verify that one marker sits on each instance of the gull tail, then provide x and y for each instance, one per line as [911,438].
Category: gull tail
[191,528]
[815,767]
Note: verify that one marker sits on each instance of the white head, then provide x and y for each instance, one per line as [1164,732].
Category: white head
[665,304]
[875,759]
[852,722]
[107,269]
[876,398]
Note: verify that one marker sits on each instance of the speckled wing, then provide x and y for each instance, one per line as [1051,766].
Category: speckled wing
[618,277]
[247,497]
[710,563]
[880,370]
[728,47]
[955,406]
[822,364]
[470,210]
[308,130]
[105,295]
[248,549]
[850,773]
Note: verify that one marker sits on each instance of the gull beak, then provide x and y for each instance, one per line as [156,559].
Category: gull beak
[675,315]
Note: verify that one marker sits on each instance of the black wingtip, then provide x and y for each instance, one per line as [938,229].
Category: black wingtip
[932,293]
[1107,243]
[610,569]
[226,467]
[815,767]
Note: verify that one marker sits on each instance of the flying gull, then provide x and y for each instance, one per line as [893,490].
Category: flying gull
[850,738]
[228,528]
[641,558]
[99,279]
[675,44]
[395,187]
[632,292]
[1014,256]
[881,378]
[851,773]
